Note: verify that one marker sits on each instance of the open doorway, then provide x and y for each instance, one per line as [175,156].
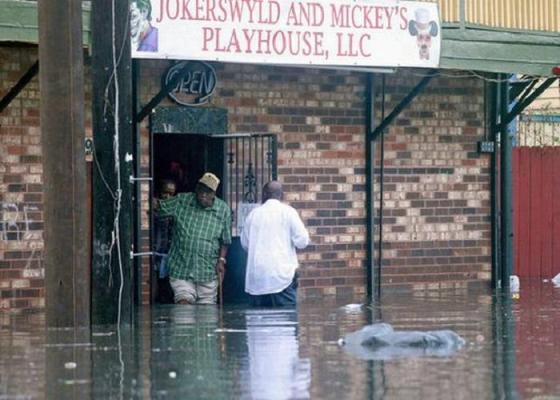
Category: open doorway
[183,149]
[184,158]
[178,161]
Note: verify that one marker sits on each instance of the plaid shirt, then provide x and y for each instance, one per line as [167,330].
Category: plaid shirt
[197,236]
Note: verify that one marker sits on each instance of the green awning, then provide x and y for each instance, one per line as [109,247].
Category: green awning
[19,22]
[501,51]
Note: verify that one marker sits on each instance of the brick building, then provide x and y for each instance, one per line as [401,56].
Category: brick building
[436,192]
[436,200]
[436,225]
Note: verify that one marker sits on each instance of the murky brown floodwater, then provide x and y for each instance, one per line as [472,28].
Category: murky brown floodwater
[183,352]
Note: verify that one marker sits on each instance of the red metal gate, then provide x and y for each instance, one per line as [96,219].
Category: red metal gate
[536,180]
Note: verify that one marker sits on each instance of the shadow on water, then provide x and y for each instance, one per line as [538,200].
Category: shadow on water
[186,352]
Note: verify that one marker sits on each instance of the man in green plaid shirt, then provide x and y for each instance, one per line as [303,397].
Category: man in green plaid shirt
[201,237]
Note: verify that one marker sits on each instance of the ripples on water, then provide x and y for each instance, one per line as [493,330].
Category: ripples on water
[186,352]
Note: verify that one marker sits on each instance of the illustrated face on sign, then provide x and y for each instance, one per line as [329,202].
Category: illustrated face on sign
[140,16]
[136,19]
[424,29]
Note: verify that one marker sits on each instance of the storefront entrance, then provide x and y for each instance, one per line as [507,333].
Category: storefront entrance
[185,143]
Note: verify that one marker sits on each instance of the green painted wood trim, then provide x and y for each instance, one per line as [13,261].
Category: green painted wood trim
[499,51]
[485,34]
[19,22]
[531,34]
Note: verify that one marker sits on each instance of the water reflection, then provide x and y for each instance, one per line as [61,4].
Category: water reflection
[68,363]
[188,358]
[202,352]
[274,369]
[236,353]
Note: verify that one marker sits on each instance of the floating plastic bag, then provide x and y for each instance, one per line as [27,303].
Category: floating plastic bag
[556,281]
[514,284]
[381,342]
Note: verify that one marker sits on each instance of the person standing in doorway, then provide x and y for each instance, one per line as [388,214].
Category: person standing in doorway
[271,234]
[201,238]
[163,233]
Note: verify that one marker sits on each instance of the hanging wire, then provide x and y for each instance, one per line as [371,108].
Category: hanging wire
[475,74]
[116,158]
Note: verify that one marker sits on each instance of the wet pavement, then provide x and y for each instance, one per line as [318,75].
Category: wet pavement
[184,352]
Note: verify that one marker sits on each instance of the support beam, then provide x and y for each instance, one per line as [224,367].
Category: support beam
[112,278]
[525,86]
[493,114]
[19,86]
[506,189]
[403,104]
[526,102]
[371,268]
[62,135]
[147,109]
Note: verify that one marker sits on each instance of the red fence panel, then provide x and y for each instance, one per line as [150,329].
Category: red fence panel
[536,179]
[555,234]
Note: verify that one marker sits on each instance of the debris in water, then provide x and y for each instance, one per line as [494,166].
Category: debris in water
[70,365]
[381,342]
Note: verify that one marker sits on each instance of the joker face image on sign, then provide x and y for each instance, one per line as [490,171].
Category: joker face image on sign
[424,29]
[144,35]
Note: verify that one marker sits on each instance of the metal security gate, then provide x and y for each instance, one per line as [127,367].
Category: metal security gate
[250,161]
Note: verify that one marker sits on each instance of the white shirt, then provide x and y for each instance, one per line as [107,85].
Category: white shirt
[271,234]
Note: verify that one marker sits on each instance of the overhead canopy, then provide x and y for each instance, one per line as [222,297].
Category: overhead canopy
[19,22]
[464,47]
[491,50]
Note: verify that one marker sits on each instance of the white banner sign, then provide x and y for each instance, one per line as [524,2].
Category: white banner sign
[299,32]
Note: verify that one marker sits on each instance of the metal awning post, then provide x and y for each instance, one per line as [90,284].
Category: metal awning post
[403,104]
[372,274]
[506,188]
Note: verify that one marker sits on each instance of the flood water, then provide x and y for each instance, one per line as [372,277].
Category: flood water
[204,352]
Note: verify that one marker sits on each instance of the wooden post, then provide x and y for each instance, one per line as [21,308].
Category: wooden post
[62,134]
[112,279]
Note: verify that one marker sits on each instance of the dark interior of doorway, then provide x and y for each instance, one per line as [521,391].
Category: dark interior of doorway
[178,157]
[184,158]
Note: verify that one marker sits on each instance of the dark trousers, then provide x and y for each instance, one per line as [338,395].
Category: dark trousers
[285,298]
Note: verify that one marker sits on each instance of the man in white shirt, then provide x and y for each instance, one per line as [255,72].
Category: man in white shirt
[271,234]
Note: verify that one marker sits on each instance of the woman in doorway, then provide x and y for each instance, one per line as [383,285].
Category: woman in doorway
[163,229]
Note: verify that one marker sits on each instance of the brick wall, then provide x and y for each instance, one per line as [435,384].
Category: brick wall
[436,231]
[436,193]
[21,213]
[319,118]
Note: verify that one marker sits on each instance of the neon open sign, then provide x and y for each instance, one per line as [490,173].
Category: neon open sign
[195,86]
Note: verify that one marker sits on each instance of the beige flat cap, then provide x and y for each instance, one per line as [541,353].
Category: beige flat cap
[210,180]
